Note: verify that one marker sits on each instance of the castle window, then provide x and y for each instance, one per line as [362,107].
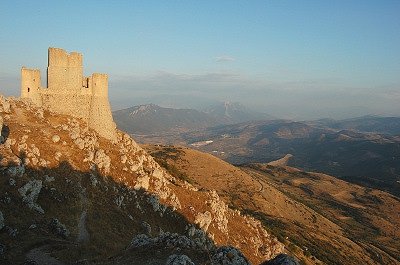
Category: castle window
[28,89]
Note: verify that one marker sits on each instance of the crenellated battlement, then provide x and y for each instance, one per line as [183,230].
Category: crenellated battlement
[69,92]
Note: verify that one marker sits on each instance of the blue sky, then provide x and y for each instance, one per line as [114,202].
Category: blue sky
[298,59]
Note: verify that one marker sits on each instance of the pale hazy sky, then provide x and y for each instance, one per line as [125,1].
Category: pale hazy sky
[301,59]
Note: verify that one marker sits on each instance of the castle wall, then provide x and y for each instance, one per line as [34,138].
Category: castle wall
[76,104]
[69,92]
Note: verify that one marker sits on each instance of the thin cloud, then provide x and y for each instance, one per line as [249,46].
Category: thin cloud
[224,58]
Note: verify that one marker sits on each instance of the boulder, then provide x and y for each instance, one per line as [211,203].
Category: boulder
[55,138]
[281,259]
[140,241]
[179,260]
[227,255]
[58,228]
[30,192]
[16,171]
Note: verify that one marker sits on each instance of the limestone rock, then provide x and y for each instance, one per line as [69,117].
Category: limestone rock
[2,249]
[5,105]
[281,259]
[16,171]
[57,156]
[93,180]
[140,241]
[1,128]
[1,220]
[80,143]
[102,160]
[203,220]
[12,182]
[157,206]
[30,192]
[142,182]
[228,256]
[179,260]
[169,240]
[58,228]
[218,210]
[55,138]
[146,227]
[49,178]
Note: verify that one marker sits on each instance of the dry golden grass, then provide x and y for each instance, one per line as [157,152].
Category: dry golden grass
[320,218]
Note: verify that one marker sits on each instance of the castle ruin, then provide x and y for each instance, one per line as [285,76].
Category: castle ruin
[69,92]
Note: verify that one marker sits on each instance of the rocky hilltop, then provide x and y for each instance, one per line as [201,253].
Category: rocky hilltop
[69,196]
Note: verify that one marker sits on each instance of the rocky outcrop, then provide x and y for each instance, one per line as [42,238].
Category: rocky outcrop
[5,105]
[228,256]
[203,220]
[58,228]
[281,259]
[1,220]
[218,210]
[179,260]
[171,240]
[1,128]
[30,192]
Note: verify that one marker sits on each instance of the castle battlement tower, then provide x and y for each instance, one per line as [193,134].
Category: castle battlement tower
[69,92]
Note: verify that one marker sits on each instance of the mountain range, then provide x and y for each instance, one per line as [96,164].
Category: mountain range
[364,150]
[152,119]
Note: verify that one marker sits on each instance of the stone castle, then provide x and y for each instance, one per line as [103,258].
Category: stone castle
[69,92]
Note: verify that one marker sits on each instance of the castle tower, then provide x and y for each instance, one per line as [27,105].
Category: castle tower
[30,85]
[64,71]
[100,118]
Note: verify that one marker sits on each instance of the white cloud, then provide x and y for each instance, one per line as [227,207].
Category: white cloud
[224,58]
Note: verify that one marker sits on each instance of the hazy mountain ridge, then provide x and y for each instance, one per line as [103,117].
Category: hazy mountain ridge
[366,158]
[234,112]
[153,119]
[373,124]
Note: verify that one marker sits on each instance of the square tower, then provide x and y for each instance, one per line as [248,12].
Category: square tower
[64,71]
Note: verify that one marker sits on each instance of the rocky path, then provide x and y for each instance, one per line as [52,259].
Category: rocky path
[41,255]
[83,234]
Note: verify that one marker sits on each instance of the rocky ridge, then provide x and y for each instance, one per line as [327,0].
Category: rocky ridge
[48,161]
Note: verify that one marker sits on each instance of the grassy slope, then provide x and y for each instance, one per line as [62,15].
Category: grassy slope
[319,216]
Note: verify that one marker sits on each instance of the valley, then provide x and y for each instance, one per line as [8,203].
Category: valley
[365,150]
[317,216]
